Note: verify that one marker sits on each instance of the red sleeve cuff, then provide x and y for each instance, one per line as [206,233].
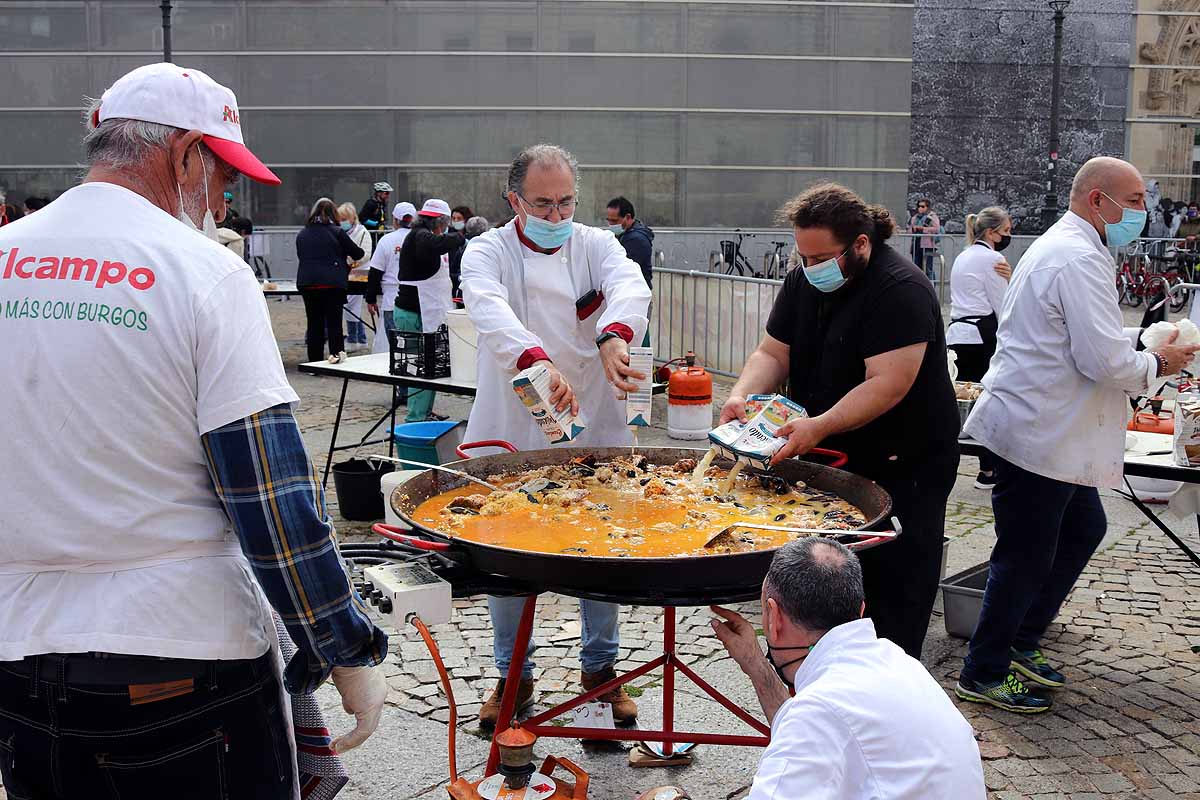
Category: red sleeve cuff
[531,356]
[622,330]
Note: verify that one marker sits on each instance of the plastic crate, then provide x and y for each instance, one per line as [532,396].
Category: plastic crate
[410,353]
[962,600]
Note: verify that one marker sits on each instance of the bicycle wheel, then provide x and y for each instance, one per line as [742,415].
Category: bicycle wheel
[1137,290]
[1179,300]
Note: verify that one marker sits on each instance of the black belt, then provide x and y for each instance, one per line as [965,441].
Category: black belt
[110,669]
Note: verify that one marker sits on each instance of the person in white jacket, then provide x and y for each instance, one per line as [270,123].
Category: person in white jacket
[1053,412]
[544,289]
[867,721]
[356,328]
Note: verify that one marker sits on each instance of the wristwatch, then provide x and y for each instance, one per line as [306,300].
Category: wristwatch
[604,337]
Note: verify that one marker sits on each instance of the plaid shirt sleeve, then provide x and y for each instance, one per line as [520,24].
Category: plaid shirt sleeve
[270,490]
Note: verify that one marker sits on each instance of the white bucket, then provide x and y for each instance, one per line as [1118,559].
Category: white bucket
[464,345]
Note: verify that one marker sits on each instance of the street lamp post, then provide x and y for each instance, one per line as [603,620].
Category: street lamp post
[1050,204]
[166,26]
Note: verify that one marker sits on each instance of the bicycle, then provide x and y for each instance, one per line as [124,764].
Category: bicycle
[775,261]
[730,258]
[1138,280]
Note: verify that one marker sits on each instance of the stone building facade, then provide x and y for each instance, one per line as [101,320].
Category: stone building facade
[981,100]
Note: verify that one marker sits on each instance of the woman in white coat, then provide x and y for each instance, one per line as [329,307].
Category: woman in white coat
[356,329]
[978,281]
[545,289]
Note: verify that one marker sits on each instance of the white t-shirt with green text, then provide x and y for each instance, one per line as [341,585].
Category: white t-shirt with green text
[127,335]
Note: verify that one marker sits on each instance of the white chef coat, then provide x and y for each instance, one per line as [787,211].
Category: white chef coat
[128,336]
[868,722]
[520,299]
[1054,400]
[386,259]
[976,290]
[361,237]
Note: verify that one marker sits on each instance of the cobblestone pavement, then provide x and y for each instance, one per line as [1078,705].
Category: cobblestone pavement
[1125,727]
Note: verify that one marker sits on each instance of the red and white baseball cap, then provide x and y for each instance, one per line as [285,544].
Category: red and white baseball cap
[435,208]
[185,98]
[403,210]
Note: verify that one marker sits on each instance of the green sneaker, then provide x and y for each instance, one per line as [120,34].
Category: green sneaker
[1034,666]
[1009,694]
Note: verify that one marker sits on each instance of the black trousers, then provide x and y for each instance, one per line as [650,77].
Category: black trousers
[69,728]
[972,363]
[323,309]
[900,578]
[1046,531]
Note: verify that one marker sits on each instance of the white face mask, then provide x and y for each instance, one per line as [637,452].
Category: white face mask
[209,228]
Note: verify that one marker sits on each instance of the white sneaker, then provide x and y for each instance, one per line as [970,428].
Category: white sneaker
[332,359]
[340,358]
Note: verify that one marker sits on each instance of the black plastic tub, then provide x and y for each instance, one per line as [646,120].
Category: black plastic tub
[356,483]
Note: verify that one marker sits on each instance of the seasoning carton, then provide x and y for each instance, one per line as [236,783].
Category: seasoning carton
[1186,439]
[756,441]
[533,388]
[757,402]
[639,402]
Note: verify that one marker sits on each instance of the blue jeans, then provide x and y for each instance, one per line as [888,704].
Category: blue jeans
[1046,531]
[600,636]
[356,332]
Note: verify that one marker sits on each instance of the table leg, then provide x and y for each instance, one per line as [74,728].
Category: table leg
[337,423]
[392,430]
[668,712]
[512,682]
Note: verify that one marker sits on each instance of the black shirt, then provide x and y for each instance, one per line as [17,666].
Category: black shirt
[889,306]
[322,250]
[420,259]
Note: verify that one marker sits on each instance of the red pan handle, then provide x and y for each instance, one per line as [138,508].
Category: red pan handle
[839,458]
[397,535]
[462,449]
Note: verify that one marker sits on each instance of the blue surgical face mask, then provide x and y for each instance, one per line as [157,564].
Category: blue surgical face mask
[826,276]
[346,225]
[547,235]
[1119,234]
[617,229]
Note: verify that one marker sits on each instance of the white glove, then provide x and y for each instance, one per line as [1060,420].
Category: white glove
[363,691]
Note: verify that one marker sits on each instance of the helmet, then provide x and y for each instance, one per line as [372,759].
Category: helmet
[382,186]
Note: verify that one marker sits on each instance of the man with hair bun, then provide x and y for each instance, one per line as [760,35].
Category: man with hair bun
[857,335]
[866,720]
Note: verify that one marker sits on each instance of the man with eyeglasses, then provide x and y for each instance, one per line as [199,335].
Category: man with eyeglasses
[544,289]
[857,334]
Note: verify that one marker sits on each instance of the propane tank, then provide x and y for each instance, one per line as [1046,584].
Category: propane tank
[689,401]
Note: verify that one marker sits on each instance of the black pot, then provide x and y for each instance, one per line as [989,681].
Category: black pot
[686,580]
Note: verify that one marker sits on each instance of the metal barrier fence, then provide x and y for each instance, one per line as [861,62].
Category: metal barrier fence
[721,318]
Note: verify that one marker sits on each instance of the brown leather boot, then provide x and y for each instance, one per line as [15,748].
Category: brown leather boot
[624,709]
[490,711]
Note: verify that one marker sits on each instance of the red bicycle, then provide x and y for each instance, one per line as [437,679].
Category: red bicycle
[1138,279]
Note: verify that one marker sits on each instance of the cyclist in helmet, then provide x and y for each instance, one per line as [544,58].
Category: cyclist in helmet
[373,214]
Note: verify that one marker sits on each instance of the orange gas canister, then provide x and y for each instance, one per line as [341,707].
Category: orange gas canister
[1150,418]
[689,401]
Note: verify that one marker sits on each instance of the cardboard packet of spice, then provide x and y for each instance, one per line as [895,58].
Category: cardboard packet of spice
[638,403]
[757,402]
[533,388]
[754,442]
[1186,439]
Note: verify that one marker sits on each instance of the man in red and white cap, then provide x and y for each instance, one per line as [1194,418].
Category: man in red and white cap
[137,562]
[425,287]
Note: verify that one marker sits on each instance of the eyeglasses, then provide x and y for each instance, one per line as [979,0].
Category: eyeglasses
[542,210]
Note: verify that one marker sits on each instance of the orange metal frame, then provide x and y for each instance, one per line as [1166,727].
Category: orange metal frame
[669,661]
